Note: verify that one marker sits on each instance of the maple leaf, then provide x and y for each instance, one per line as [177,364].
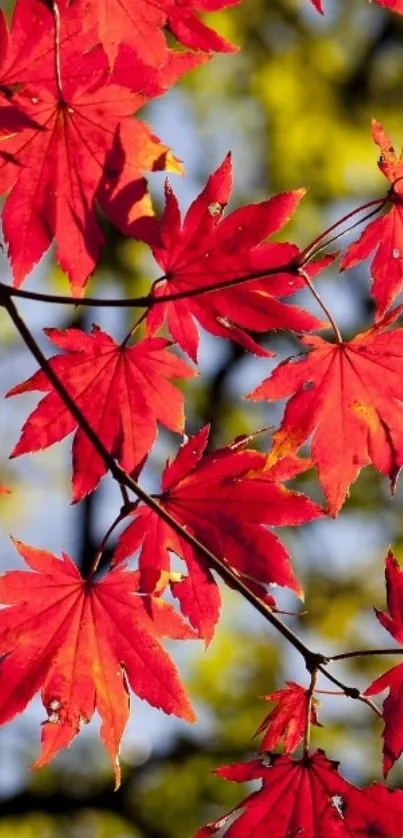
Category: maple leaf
[207,249]
[347,397]
[54,174]
[140,23]
[287,720]
[82,643]
[121,390]
[226,508]
[384,234]
[393,678]
[307,797]
[80,146]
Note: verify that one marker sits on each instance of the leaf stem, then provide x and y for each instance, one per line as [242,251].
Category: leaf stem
[322,304]
[142,317]
[316,251]
[120,517]
[377,202]
[307,732]
[133,329]
[58,69]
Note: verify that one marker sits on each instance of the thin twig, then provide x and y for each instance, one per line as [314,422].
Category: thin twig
[291,267]
[358,653]
[351,692]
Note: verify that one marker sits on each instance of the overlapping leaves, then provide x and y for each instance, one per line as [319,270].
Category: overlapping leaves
[141,22]
[225,500]
[72,75]
[76,145]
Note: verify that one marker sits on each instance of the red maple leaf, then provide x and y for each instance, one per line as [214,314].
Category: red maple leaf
[225,507]
[80,146]
[385,234]
[393,678]
[307,797]
[81,643]
[121,390]
[140,23]
[347,397]
[207,249]
[287,720]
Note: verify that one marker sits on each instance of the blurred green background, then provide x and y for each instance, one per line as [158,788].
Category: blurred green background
[295,106]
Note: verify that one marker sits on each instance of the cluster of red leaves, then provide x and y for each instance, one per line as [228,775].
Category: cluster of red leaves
[308,795]
[72,76]
[70,82]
